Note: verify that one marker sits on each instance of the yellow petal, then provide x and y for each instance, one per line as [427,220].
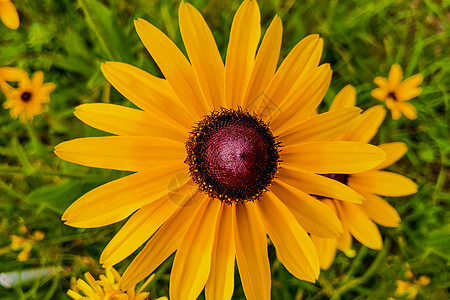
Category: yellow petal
[407,88]
[380,211]
[37,80]
[244,38]
[152,94]
[323,127]
[345,98]
[381,82]
[203,54]
[220,284]
[264,67]
[326,250]
[117,199]
[303,100]
[379,94]
[382,183]
[121,120]
[367,126]
[8,14]
[47,88]
[144,223]
[407,94]
[192,262]
[395,77]
[314,216]
[294,246]
[394,151]
[332,157]
[303,58]
[314,184]
[392,105]
[162,244]
[360,226]
[127,153]
[251,252]
[408,110]
[12,74]
[174,65]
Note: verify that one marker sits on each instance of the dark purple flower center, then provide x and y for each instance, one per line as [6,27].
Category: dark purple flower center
[392,96]
[232,155]
[26,96]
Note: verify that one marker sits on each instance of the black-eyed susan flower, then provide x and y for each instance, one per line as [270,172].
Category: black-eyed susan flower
[28,98]
[396,92]
[106,288]
[359,220]
[223,153]
[8,14]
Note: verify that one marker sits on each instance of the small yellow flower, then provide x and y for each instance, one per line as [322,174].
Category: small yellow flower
[106,288]
[25,244]
[411,289]
[26,100]
[396,92]
[8,14]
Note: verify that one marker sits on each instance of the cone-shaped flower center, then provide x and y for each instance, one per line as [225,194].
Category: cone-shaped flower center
[26,96]
[232,155]
[392,96]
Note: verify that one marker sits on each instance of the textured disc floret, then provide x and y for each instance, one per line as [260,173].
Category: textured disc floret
[232,155]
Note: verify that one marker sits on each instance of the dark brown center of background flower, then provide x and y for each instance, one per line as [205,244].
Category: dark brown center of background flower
[232,156]
[392,96]
[26,96]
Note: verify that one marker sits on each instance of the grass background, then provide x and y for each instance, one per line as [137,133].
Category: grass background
[69,39]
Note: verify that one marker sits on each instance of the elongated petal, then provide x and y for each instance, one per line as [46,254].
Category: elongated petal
[395,77]
[204,55]
[128,153]
[380,211]
[12,74]
[192,262]
[323,127]
[314,216]
[220,284]
[152,94]
[367,126]
[326,250]
[394,151]
[251,252]
[37,80]
[174,65]
[408,89]
[407,94]
[264,67]
[345,98]
[116,200]
[408,110]
[344,242]
[360,226]
[8,14]
[294,246]
[333,157]
[162,244]
[301,103]
[314,184]
[300,61]
[244,38]
[144,223]
[383,183]
[121,120]
[380,94]
[381,82]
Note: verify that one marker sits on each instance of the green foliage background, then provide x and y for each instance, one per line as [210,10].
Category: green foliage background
[69,39]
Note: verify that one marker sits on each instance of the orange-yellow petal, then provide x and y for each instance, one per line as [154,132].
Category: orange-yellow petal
[244,38]
[380,211]
[395,77]
[326,250]
[294,246]
[127,153]
[408,88]
[117,199]
[192,261]
[345,98]
[381,82]
[382,183]
[408,110]
[121,120]
[394,151]
[367,126]
[251,252]
[332,157]
[380,94]
[8,14]
[174,65]
[162,244]
[203,54]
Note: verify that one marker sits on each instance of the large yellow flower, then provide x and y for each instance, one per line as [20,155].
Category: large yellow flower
[106,288]
[26,100]
[212,177]
[358,219]
[8,14]
[395,92]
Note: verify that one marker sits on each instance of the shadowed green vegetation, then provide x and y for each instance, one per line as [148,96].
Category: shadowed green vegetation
[68,40]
